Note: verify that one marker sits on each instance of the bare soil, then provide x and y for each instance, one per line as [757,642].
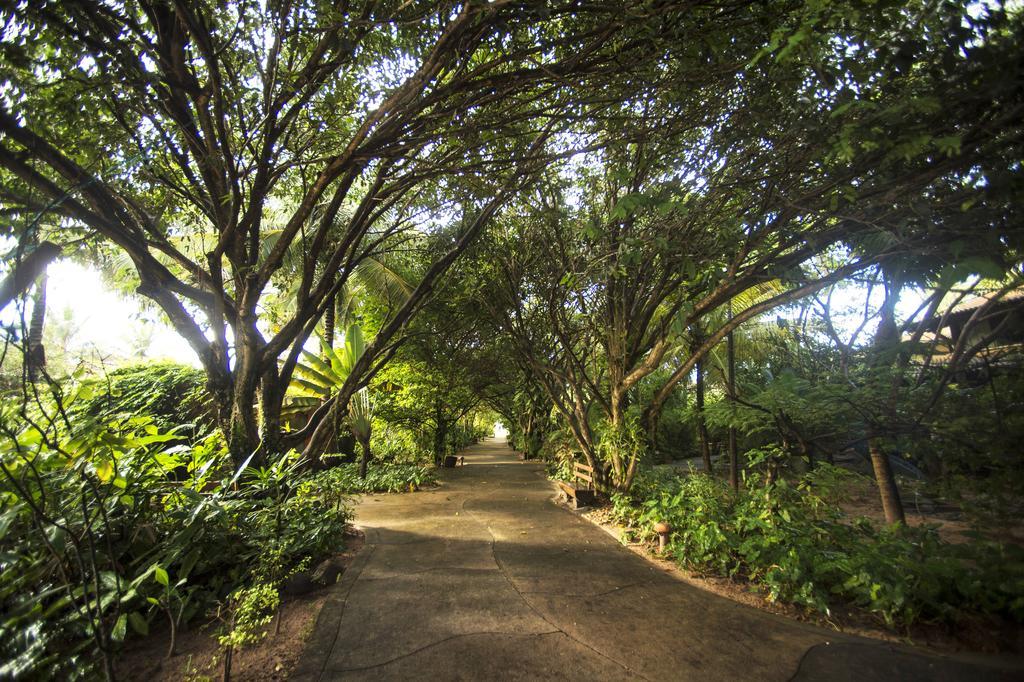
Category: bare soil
[953,525]
[198,656]
[982,635]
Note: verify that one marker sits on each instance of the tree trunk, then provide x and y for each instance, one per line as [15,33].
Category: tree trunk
[243,437]
[702,427]
[329,313]
[440,436]
[364,460]
[617,401]
[886,337]
[35,353]
[892,505]
[272,392]
[651,417]
[730,382]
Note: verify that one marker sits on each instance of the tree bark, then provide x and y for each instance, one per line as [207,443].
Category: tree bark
[440,435]
[887,336]
[364,460]
[35,352]
[730,381]
[892,505]
[702,427]
[27,271]
[329,323]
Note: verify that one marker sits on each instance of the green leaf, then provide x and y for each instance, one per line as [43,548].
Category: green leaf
[120,628]
[138,623]
[105,470]
[160,575]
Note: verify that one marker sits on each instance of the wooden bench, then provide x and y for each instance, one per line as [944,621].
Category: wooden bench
[580,495]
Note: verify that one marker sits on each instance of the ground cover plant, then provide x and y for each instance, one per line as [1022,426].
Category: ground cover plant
[108,526]
[792,542]
[384,478]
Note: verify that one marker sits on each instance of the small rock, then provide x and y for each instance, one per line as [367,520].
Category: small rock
[326,573]
[299,584]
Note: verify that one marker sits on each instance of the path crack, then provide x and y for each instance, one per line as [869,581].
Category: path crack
[368,549]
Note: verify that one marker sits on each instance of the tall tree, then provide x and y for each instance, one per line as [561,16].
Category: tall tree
[735,190]
[171,129]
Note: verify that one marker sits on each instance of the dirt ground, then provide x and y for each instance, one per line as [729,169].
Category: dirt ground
[198,656]
[983,635]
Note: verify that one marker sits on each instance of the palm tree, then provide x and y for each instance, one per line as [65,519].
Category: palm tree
[35,353]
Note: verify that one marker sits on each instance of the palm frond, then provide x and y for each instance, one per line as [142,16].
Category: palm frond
[360,414]
[376,275]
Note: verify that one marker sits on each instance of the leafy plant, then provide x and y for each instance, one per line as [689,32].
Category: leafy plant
[386,478]
[793,542]
[97,516]
[250,610]
[318,377]
[174,396]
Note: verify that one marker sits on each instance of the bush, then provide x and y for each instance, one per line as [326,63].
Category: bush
[380,478]
[794,543]
[397,445]
[174,396]
[97,536]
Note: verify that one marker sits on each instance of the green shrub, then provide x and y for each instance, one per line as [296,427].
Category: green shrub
[397,445]
[174,396]
[794,543]
[380,478]
[96,536]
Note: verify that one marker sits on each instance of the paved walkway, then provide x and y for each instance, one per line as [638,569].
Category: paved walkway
[485,578]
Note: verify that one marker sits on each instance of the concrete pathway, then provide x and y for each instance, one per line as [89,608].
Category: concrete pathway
[485,578]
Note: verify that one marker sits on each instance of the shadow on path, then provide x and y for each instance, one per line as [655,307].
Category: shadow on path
[485,578]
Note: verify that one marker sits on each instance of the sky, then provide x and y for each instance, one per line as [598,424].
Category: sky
[96,319]
[87,320]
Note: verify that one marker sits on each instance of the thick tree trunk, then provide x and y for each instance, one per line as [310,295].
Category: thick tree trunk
[271,401]
[243,435]
[236,418]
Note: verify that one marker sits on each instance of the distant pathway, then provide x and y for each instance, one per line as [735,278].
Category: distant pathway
[485,579]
